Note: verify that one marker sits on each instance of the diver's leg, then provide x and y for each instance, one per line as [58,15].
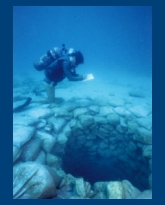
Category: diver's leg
[50,90]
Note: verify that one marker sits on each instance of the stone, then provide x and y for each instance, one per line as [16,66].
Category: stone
[150,180]
[123,123]
[83,188]
[145,122]
[40,112]
[137,93]
[113,119]
[120,129]
[21,134]
[53,161]
[88,143]
[31,149]
[78,197]
[132,146]
[62,139]
[67,130]
[144,135]
[147,194]
[103,145]
[122,111]
[130,192]
[48,128]
[113,146]
[103,130]
[62,112]
[79,111]
[48,140]
[94,108]
[59,124]
[150,165]
[67,180]
[16,153]
[106,153]
[132,127]
[70,106]
[19,119]
[100,186]
[116,101]
[99,195]
[41,124]
[86,120]
[104,111]
[40,158]
[147,151]
[34,181]
[73,123]
[92,126]
[90,137]
[140,111]
[114,190]
[93,148]
[108,127]
[101,120]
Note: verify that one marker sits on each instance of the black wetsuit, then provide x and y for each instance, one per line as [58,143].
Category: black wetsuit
[59,70]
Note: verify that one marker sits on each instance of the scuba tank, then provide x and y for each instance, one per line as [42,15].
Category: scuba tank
[50,57]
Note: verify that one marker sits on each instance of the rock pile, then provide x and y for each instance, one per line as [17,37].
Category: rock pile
[109,132]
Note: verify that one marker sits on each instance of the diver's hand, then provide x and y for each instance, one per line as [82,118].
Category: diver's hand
[84,77]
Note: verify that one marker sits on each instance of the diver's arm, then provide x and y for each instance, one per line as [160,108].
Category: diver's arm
[68,73]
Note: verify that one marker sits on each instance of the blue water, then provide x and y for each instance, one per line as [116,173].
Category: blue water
[115,40]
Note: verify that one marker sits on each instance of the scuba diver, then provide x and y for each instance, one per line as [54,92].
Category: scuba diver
[59,64]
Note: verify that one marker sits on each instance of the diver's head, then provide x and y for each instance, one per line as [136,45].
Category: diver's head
[75,57]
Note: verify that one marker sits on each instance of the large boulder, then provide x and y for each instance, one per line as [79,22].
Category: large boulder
[21,134]
[34,181]
[114,190]
[130,192]
[19,119]
[141,110]
[83,188]
[31,149]
[39,112]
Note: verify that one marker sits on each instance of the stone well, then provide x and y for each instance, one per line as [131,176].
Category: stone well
[90,139]
[103,143]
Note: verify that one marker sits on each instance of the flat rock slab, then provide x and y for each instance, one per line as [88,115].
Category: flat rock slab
[39,112]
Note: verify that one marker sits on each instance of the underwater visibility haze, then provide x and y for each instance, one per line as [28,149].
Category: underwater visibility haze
[97,131]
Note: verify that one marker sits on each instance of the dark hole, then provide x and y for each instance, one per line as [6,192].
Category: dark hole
[79,164]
